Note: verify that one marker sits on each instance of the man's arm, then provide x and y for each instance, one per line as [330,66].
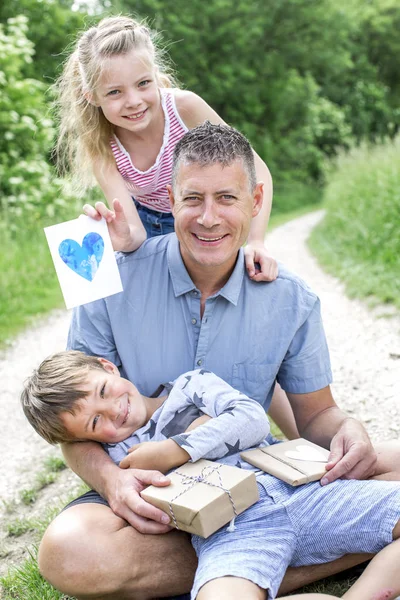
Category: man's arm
[321,421]
[120,488]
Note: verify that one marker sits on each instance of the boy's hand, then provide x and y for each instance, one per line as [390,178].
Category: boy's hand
[162,456]
[256,254]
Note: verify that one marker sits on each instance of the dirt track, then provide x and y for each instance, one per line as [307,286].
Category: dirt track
[364,345]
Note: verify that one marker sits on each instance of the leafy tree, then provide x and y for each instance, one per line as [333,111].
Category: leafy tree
[27,185]
[52,27]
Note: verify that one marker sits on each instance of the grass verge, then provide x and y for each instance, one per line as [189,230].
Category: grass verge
[359,239]
[25,580]
[29,283]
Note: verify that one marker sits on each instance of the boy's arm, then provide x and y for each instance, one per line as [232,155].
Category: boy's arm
[236,423]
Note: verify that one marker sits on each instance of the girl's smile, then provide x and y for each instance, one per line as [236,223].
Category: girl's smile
[128,93]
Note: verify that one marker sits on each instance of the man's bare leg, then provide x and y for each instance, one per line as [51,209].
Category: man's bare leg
[388,466]
[90,553]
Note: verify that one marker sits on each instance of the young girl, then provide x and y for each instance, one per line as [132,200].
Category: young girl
[120,118]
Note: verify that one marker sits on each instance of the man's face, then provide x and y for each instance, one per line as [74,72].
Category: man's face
[213,207]
[112,410]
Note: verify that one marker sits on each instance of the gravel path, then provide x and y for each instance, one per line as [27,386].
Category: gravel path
[364,345]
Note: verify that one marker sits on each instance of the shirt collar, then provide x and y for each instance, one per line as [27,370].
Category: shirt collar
[183,284]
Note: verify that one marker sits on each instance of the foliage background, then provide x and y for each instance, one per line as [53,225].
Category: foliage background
[303,79]
[313,83]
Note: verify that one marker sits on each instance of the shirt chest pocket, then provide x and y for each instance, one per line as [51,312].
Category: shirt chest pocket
[257,380]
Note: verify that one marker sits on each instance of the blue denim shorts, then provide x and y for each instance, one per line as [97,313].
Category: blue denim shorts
[296,526]
[155,223]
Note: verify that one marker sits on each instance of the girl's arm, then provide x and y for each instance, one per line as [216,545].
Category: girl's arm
[193,111]
[126,229]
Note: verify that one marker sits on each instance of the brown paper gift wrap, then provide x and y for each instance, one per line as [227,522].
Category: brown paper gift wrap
[274,460]
[197,506]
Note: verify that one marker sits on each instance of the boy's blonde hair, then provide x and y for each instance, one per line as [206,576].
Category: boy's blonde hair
[55,388]
[84,132]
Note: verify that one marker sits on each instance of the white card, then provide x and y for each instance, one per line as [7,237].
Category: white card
[303,452]
[84,260]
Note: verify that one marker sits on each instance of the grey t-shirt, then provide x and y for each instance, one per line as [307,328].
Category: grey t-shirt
[237,421]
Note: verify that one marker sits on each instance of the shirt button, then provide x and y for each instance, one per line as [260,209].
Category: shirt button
[199,362]
[194,321]
[194,292]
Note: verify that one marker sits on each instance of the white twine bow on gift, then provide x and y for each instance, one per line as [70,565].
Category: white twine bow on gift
[192,480]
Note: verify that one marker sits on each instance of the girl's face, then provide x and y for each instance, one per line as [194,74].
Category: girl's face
[128,93]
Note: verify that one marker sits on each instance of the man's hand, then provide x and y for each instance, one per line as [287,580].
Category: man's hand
[125,500]
[352,454]
[117,223]
[163,456]
[256,254]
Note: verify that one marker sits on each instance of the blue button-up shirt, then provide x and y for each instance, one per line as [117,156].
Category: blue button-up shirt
[251,334]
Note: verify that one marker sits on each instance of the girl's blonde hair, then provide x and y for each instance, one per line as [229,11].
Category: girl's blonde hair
[84,132]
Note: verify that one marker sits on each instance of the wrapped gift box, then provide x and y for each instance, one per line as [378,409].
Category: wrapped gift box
[295,462]
[204,496]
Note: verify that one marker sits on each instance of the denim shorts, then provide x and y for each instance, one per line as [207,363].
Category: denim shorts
[154,222]
[296,526]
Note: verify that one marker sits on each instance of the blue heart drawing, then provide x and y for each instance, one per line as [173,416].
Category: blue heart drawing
[85,259]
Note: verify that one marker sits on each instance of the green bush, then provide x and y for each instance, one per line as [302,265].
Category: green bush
[359,239]
[29,191]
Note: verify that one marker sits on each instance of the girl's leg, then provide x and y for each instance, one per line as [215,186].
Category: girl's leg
[231,588]
[381,578]
[235,588]
[309,597]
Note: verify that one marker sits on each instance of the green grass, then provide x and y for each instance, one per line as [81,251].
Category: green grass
[29,283]
[51,467]
[26,582]
[28,496]
[359,240]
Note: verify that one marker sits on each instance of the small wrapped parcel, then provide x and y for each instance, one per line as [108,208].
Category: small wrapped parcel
[204,496]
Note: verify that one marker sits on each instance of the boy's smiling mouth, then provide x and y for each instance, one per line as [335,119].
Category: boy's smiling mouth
[128,412]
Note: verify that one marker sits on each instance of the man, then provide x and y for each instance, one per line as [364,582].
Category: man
[187,303]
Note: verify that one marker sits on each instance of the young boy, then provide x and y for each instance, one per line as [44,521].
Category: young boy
[74,397]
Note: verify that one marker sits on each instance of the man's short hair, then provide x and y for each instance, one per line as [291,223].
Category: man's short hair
[55,388]
[210,144]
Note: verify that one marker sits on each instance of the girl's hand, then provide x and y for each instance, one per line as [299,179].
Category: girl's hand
[256,254]
[121,234]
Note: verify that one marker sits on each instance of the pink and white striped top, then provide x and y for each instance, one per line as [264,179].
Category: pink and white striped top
[149,187]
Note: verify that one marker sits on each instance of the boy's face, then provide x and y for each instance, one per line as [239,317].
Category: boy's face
[112,410]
